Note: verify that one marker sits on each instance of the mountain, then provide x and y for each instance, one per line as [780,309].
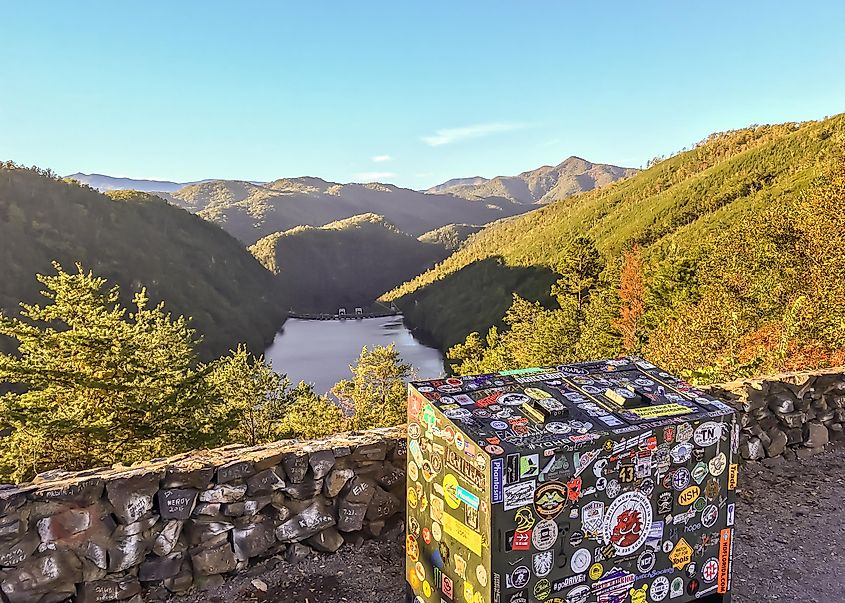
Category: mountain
[451,236]
[543,185]
[347,263]
[716,238]
[251,211]
[135,240]
[445,187]
[105,183]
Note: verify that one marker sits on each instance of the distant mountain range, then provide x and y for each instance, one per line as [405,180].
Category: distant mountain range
[540,186]
[253,210]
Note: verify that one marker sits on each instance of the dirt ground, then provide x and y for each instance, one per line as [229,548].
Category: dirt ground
[790,548]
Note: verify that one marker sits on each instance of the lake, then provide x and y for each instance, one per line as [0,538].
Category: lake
[320,351]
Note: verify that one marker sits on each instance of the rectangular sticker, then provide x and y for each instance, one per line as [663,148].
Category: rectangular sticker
[467,497]
[663,410]
[733,476]
[723,580]
[497,477]
[462,533]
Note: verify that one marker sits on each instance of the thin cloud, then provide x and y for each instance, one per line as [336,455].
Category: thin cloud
[451,135]
[374,176]
[382,158]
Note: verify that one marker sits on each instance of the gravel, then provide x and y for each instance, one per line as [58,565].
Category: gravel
[789,548]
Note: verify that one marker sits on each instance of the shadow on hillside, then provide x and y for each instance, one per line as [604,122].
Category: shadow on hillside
[474,298]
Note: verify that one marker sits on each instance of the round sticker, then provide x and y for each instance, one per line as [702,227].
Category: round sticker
[710,570]
[579,594]
[558,428]
[412,548]
[580,561]
[414,431]
[436,532]
[628,522]
[709,516]
[450,490]
[426,535]
[481,574]
[542,589]
[459,441]
[412,497]
[513,399]
[494,450]
[499,425]
[413,471]
[596,571]
[426,588]
[659,589]
[718,464]
[519,577]
[613,488]
[544,535]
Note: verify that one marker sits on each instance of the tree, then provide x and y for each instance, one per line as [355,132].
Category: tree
[376,395]
[311,416]
[632,297]
[579,266]
[259,398]
[95,383]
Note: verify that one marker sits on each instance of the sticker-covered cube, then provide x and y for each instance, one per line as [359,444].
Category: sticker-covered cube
[600,482]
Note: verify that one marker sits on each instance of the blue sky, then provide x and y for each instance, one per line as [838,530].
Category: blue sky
[408,92]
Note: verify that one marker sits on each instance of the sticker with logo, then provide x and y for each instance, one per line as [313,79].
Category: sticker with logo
[542,589]
[592,516]
[512,469]
[497,479]
[659,589]
[628,522]
[520,494]
[681,554]
[529,466]
[688,496]
[709,516]
[518,578]
[699,473]
[544,535]
[638,595]
[542,563]
[579,594]
[677,588]
[580,561]
[550,499]
[450,491]
[614,585]
[707,434]
[681,479]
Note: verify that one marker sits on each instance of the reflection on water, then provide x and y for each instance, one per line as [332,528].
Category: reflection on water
[320,351]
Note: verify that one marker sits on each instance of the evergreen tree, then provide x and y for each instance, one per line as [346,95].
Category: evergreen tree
[376,395]
[95,383]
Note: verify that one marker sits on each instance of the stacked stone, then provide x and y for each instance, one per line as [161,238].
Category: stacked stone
[790,415]
[183,522]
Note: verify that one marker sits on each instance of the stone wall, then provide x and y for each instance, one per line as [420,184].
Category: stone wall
[107,534]
[182,522]
[788,415]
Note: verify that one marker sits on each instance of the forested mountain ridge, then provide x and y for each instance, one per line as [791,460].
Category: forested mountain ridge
[670,225]
[542,185]
[251,211]
[347,263]
[135,240]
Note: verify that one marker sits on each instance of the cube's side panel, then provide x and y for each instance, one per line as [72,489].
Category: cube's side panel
[643,515]
[448,509]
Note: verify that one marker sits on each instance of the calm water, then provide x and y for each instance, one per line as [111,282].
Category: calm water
[320,351]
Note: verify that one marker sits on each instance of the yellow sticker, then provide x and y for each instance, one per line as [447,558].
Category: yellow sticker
[468,591]
[688,496]
[663,410]
[426,588]
[462,533]
[733,476]
[681,555]
[537,393]
[450,490]
[596,570]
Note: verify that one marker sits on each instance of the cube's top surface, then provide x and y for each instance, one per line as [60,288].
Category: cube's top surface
[567,405]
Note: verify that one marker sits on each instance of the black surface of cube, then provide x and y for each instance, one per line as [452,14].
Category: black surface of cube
[600,482]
